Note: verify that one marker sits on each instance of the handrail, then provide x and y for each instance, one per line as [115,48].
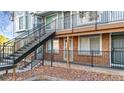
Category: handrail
[36,30]
[31,30]
[11,47]
[25,33]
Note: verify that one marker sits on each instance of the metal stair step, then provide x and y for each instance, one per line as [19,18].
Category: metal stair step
[11,57]
[3,64]
[20,51]
[25,49]
[7,61]
[35,62]
[29,45]
[16,55]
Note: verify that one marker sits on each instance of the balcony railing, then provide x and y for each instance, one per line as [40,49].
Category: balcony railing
[89,18]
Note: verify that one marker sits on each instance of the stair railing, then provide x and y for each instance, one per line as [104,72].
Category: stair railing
[10,47]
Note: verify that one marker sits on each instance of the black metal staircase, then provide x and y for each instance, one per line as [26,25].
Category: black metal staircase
[13,51]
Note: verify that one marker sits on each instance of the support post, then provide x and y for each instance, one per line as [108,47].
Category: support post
[51,52]
[92,55]
[96,22]
[68,54]
[3,50]
[14,73]
[72,22]
[43,55]
[6,71]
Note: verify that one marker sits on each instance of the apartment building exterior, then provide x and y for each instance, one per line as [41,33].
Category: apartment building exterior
[83,37]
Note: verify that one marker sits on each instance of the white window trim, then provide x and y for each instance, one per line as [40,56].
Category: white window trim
[89,39]
[49,51]
[110,47]
[22,19]
[24,23]
[54,50]
[17,16]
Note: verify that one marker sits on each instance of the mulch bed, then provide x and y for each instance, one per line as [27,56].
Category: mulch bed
[66,73]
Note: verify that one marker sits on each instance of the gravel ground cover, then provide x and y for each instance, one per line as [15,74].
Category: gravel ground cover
[65,74]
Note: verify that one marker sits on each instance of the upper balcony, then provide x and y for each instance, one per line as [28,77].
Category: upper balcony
[87,21]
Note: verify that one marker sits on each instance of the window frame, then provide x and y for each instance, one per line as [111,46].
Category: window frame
[51,15]
[48,50]
[56,51]
[22,19]
[89,37]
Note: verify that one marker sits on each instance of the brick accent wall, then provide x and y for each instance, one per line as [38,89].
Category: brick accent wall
[102,59]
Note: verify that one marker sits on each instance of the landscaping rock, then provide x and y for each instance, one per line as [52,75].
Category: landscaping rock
[66,74]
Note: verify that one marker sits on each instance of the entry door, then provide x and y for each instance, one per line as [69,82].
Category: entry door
[70,48]
[66,20]
[117,50]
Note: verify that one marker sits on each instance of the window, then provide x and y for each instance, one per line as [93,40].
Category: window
[48,46]
[88,44]
[21,22]
[55,46]
[38,21]
[95,44]
[49,19]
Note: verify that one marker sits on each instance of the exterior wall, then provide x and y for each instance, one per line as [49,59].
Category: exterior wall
[29,19]
[103,29]
[101,60]
[17,15]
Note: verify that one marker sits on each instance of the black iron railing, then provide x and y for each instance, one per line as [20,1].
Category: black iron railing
[87,18]
[105,59]
[30,37]
[1,56]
